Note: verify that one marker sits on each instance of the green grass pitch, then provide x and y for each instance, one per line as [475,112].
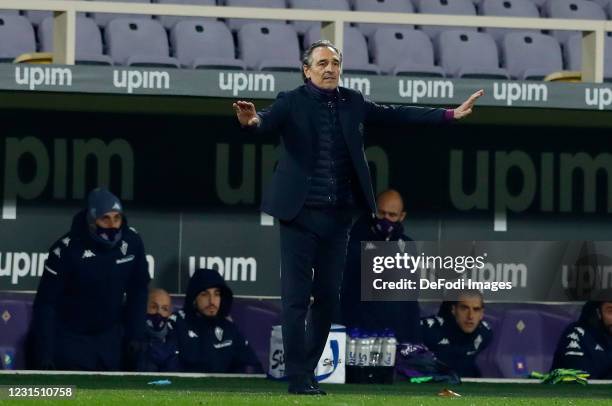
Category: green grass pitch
[133,390]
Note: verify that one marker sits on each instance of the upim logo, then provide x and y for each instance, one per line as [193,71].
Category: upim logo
[356,83]
[600,97]
[36,76]
[253,82]
[431,89]
[231,268]
[17,265]
[513,92]
[135,79]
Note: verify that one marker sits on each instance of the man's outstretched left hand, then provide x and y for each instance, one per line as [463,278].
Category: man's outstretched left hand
[466,108]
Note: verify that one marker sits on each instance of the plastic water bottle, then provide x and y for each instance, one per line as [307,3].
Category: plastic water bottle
[376,349]
[389,348]
[363,350]
[351,347]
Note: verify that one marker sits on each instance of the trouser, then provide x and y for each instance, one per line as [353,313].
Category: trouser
[313,254]
[96,352]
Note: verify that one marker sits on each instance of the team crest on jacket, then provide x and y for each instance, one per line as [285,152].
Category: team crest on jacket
[124,247]
[219,333]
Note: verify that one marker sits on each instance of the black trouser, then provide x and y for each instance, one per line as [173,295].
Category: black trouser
[96,352]
[313,253]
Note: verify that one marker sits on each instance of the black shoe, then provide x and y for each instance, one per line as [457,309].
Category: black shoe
[315,384]
[304,388]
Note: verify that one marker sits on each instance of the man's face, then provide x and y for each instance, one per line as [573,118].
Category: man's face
[391,208]
[324,70]
[209,301]
[112,219]
[159,302]
[468,313]
[606,316]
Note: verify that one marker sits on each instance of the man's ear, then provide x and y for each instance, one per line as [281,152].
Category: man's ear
[402,216]
[305,68]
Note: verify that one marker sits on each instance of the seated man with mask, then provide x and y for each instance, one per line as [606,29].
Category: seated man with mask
[401,317]
[161,351]
[92,295]
[458,333]
[208,341]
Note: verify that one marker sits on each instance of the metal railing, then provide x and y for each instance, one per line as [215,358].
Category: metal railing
[593,31]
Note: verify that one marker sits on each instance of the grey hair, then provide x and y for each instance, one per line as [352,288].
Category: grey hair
[307,55]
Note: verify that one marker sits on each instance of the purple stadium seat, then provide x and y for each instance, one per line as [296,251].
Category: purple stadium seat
[531,56]
[16,37]
[576,9]
[102,19]
[355,56]
[88,41]
[9,12]
[302,27]
[527,340]
[449,7]
[384,6]
[138,42]
[236,23]
[14,323]
[466,54]
[169,21]
[404,51]
[269,47]
[204,43]
[573,54]
[508,8]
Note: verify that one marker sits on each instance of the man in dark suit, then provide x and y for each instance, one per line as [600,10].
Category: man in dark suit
[321,174]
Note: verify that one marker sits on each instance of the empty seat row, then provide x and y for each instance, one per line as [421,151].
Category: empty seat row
[583,9]
[209,43]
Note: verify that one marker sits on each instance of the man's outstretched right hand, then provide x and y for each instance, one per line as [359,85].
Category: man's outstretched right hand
[246,113]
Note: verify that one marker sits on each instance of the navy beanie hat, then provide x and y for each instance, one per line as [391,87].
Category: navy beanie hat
[99,202]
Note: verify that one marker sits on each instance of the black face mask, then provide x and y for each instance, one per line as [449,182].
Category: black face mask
[106,236]
[386,229]
[156,322]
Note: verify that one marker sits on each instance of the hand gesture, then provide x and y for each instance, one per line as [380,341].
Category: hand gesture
[466,108]
[246,113]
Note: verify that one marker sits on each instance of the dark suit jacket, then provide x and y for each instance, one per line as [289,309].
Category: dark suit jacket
[291,115]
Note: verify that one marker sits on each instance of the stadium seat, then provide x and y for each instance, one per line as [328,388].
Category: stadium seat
[269,47]
[236,23]
[508,8]
[404,51]
[452,7]
[573,55]
[138,42]
[15,318]
[531,56]
[526,341]
[469,54]
[9,12]
[88,41]
[204,44]
[16,37]
[169,21]
[102,19]
[575,9]
[384,6]
[302,27]
[355,56]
